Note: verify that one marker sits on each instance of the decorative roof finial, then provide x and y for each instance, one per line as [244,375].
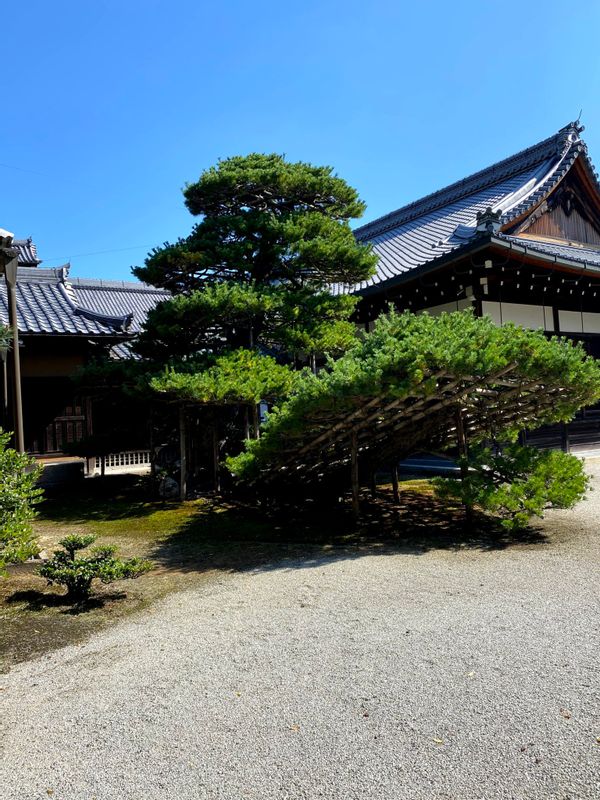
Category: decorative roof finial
[488,221]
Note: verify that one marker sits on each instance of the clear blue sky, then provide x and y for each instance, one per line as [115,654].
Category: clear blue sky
[110,107]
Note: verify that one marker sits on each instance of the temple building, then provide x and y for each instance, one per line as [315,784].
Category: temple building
[63,323]
[518,241]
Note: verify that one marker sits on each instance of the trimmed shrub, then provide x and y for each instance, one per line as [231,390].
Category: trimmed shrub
[77,573]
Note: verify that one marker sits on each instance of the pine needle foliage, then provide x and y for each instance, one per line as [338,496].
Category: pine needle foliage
[516,483]
[240,377]
[6,336]
[265,220]
[19,494]
[256,271]
[223,316]
[402,357]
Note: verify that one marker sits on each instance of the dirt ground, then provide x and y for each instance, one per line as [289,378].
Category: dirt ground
[403,660]
[193,542]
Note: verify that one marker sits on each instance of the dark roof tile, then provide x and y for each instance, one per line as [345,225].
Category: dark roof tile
[446,220]
[49,302]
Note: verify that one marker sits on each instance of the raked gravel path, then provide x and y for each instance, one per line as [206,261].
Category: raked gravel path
[453,674]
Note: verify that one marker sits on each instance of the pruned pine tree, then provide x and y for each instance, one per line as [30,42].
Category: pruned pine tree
[254,275]
[419,382]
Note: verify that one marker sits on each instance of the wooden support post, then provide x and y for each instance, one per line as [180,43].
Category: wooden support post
[463,451]
[182,455]
[152,453]
[395,482]
[354,474]
[215,449]
[246,423]
[255,421]
[564,437]
[373,483]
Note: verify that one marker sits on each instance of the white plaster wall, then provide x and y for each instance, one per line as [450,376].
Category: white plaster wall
[528,316]
[457,305]
[576,322]
[591,322]
[570,321]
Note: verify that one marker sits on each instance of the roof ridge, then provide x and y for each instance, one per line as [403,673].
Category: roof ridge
[40,274]
[555,145]
[101,283]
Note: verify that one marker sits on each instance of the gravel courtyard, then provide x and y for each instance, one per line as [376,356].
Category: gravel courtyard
[456,674]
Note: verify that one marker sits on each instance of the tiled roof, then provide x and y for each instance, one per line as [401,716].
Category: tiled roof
[27,252]
[581,255]
[118,298]
[48,302]
[446,220]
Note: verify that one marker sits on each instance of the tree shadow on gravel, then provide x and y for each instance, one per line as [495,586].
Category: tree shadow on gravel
[243,536]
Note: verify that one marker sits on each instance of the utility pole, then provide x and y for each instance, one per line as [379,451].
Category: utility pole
[10,259]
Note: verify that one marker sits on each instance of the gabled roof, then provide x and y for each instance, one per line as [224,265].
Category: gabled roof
[48,302]
[446,221]
[27,252]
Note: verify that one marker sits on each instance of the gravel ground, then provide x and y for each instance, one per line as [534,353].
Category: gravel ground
[453,674]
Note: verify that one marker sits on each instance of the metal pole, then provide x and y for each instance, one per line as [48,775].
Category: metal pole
[10,273]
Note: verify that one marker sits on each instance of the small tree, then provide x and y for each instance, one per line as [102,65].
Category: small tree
[18,495]
[516,483]
[77,573]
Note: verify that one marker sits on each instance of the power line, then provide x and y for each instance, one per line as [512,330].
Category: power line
[22,169]
[99,252]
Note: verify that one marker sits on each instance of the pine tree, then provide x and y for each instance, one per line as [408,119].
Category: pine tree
[255,276]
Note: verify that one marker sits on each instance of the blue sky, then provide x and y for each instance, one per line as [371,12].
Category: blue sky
[110,107]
